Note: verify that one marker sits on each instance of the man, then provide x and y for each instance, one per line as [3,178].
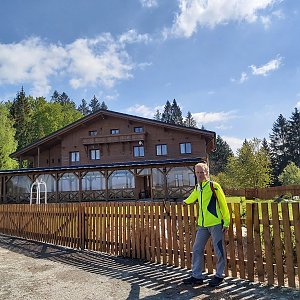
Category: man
[213,220]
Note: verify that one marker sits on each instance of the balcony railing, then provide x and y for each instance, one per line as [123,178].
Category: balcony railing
[117,138]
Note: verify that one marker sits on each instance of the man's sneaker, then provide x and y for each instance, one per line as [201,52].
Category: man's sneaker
[193,280]
[215,281]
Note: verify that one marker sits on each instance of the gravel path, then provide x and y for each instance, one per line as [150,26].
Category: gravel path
[37,271]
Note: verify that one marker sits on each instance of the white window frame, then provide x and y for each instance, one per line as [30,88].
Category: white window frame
[138,151]
[74,156]
[161,149]
[95,154]
[184,148]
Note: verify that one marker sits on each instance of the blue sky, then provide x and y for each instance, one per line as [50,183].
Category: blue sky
[235,64]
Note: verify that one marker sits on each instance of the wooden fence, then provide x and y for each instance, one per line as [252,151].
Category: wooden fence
[263,242]
[265,193]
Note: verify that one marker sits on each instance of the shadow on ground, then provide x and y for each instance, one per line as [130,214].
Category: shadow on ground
[166,281]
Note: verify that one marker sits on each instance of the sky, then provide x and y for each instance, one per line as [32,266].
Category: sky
[234,64]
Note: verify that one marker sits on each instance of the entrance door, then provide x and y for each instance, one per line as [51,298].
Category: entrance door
[143,186]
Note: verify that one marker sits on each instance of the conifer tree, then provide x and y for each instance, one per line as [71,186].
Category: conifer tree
[20,112]
[294,137]
[103,106]
[190,121]
[166,116]
[94,104]
[219,158]
[84,108]
[176,114]
[279,147]
[157,115]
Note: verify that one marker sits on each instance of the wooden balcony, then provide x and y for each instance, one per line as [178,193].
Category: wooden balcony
[113,138]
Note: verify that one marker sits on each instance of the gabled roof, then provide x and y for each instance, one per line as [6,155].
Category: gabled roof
[56,136]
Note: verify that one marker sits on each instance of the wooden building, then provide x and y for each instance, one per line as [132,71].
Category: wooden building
[110,155]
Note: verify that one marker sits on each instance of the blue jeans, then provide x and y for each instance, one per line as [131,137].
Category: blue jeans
[202,236]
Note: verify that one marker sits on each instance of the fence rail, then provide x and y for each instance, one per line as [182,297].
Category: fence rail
[263,242]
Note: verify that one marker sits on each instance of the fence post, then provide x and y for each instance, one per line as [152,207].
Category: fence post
[81,226]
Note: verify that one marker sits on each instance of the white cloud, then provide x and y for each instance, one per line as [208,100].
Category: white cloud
[144,111]
[131,36]
[242,79]
[264,70]
[144,65]
[101,61]
[266,20]
[205,13]
[31,61]
[298,104]
[211,117]
[98,61]
[233,142]
[149,3]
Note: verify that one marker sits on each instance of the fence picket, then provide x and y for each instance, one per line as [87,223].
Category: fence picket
[267,243]
[231,244]
[296,218]
[277,244]
[240,240]
[257,243]
[288,245]
[250,245]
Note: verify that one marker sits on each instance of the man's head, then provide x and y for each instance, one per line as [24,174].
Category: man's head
[202,172]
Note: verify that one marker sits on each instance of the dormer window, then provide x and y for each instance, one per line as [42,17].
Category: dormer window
[114,131]
[138,129]
[92,132]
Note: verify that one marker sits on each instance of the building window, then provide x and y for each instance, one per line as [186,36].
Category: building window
[92,132]
[74,156]
[161,149]
[94,154]
[114,131]
[179,180]
[138,129]
[138,151]
[185,148]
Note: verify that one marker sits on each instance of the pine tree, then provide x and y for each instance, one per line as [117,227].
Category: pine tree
[176,114]
[166,116]
[103,106]
[20,112]
[157,115]
[56,96]
[62,99]
[294,137]
[84,108]
[190,121]
[94,104]
[219,158]
[279,147]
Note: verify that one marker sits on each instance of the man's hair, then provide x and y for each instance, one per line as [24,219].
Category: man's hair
[204,166]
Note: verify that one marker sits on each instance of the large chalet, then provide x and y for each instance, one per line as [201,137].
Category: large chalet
[109,155]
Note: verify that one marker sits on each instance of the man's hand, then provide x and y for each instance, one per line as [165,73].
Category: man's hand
[225,230]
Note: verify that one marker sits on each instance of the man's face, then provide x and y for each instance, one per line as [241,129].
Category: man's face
[201,174]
